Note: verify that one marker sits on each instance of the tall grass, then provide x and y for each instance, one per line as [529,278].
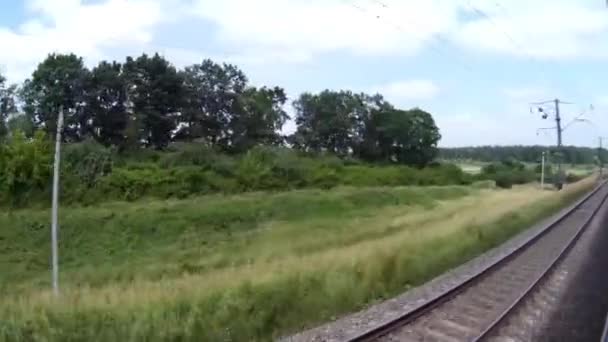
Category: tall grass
[296,263]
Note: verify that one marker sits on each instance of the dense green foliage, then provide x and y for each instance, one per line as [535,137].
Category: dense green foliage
[93,173]
[25,166]
[341,122]
[148,102]
[146,128]
[528,154]
[509,173]
[7,104]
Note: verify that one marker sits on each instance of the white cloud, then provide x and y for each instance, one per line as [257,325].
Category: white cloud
[501,127]
[306,28]
[601,101]
[266,32]
[543,29]
[407,90]
[72,26]
[526,94]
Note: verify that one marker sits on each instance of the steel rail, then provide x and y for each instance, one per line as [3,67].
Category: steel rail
[494,325]
[451,292]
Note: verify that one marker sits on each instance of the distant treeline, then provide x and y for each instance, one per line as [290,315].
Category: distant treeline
[529,154]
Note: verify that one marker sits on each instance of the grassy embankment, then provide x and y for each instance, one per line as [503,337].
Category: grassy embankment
[246,267]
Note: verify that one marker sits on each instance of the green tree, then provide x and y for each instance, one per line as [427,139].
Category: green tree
[327,121]
[211,94]
[23,123]
[414,136]
[530,154]
[58,82]
[372,143]
[257,119]
[155,90]
[106,102]
[388,134]
[7,104]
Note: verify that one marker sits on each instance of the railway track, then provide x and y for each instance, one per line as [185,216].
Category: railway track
[472,310]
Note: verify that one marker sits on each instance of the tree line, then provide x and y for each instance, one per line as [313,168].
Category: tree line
[529,154]
[147,102]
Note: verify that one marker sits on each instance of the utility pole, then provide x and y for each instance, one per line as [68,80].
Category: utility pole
[542,171]
[600,160]
[558,121]
[560,130]
[54,223]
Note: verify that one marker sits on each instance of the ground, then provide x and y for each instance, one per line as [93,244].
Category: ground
[246,267]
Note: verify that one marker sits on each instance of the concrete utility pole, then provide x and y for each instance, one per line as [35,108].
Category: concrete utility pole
[560,130]
[600,160]
[54,223]
[542,171]
[558,121]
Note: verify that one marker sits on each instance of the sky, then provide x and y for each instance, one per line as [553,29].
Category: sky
[476,65]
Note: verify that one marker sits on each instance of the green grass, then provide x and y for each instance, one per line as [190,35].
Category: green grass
[580,170]
[249,267]
[105,243]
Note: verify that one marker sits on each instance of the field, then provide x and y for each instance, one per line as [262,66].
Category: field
[245,267]
[475,167]
[471,167]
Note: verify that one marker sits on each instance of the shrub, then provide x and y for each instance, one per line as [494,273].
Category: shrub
[254,171]
[181,154]
[573,178]
[89,161]
[504,180]
[25,167]
[93,173]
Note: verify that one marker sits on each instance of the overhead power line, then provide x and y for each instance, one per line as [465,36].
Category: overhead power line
[495,24]
[435,48]
[523,50]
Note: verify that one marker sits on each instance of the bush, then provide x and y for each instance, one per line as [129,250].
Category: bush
[504,180]
[25,168]
[507,173]
[89,161]
[573,178]
[93,173]
[184,154]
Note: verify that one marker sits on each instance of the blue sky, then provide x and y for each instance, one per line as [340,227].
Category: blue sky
[474,64]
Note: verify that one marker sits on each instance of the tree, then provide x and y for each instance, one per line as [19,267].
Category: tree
[211,94]
[371,144]
[327,121]
[414,135]
[7,104]
[155,90]
[58,82]
[22,123]
[530,154]
[393,135]
[106,102]
[257,118]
